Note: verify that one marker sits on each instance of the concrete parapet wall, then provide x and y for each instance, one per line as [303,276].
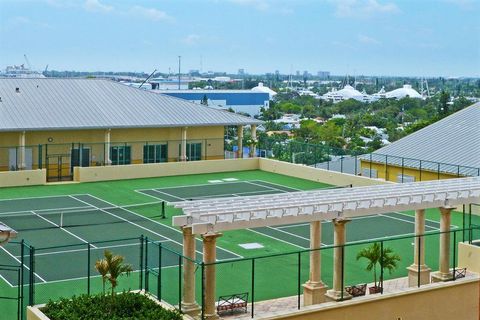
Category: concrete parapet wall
[315,174]
[91,174]
[23,178]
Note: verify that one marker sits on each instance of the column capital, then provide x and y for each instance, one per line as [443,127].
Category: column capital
[187,230]
[211,236]
[340,221]
[446,209]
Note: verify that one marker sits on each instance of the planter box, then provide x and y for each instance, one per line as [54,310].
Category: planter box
[35,312]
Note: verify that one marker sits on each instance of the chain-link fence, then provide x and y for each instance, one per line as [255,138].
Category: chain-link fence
[372,165]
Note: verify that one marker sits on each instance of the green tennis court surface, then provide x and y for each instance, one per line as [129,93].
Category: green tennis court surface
[61,228]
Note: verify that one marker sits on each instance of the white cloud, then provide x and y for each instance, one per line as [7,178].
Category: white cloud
[192,39]
[363,8]
[150,13]
[261,5]
[367,40]
[97,6]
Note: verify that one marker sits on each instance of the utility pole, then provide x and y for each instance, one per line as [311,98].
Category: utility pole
[179,64]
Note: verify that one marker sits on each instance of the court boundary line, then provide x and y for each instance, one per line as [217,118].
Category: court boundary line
[7,282]
[169,227]
[28,268]
[41,197]
[272,237]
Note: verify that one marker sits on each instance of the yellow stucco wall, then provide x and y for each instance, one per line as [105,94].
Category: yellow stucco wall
[90,174]
[448,301]
[60,143]
[392,171]
[469,256]
[23,178]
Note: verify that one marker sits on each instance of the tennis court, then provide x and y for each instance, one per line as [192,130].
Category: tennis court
[297,235]
[62,229]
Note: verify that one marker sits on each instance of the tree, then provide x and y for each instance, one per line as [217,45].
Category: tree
[204,100]
[111,268]
[373,253]
[444,99]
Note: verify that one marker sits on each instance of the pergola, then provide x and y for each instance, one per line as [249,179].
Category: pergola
[209,217]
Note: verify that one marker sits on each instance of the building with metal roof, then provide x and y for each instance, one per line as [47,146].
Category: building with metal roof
[245,101]
[446,148]
[62,123]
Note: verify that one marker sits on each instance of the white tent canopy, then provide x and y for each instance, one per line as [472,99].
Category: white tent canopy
[268,210]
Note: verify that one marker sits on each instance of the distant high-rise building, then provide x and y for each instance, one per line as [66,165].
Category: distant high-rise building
[323,74]
[241,72]
[297,73]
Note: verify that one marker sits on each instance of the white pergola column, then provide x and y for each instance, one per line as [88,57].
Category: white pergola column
[21,154]
[444,273]
[209,256]
[108,160]
[189,305]
[240,142]
[314,289]
[183,147]
[419,272]
[338,261]
[254,139]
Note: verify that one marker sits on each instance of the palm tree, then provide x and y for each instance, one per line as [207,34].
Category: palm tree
[373,253]
[102,268]
[111,268]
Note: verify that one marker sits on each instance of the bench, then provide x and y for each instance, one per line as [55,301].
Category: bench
[459,273]
[356,290]
[233,302]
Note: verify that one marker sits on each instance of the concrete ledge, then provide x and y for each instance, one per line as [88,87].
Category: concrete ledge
[135,171]
[315,174]
[451,300]
[23,178]
[469,256]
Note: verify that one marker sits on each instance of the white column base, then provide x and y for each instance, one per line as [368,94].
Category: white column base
[334,295]
[441,277]
[314,292]
[413,275]
[192,309]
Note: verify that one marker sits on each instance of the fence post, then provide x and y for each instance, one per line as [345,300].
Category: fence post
[381,266]
[253,287]
[403,168]
[454,252]
[32,277]
[420,170]
[203,290]
[356,165]
[370,165]
[180,283]
[343,272]
[141,263]
[386,167]
[463,223]
[40,164]
[299,284]
[438,170]
[147,273]
[419,257]
[159,280]
[341,164]
[88,268]
[22,275]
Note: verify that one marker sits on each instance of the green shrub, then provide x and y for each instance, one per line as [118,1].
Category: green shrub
[127,305]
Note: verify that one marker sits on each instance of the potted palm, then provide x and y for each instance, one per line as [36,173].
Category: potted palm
[386,260]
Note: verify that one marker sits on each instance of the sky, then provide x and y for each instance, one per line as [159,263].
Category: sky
[356,37]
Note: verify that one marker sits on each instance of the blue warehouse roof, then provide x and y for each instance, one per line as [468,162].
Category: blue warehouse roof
[232,97]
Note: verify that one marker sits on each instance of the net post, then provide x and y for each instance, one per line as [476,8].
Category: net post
[163,210]
[253,287]
[88,267]
[147,273]
[141,263]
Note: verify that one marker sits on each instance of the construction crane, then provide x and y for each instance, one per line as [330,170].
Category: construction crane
[27,61]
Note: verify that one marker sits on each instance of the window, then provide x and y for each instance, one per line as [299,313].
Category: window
[80,160]
[405,178]
[155,153]
[120,155]
[194,151]
[366,173]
